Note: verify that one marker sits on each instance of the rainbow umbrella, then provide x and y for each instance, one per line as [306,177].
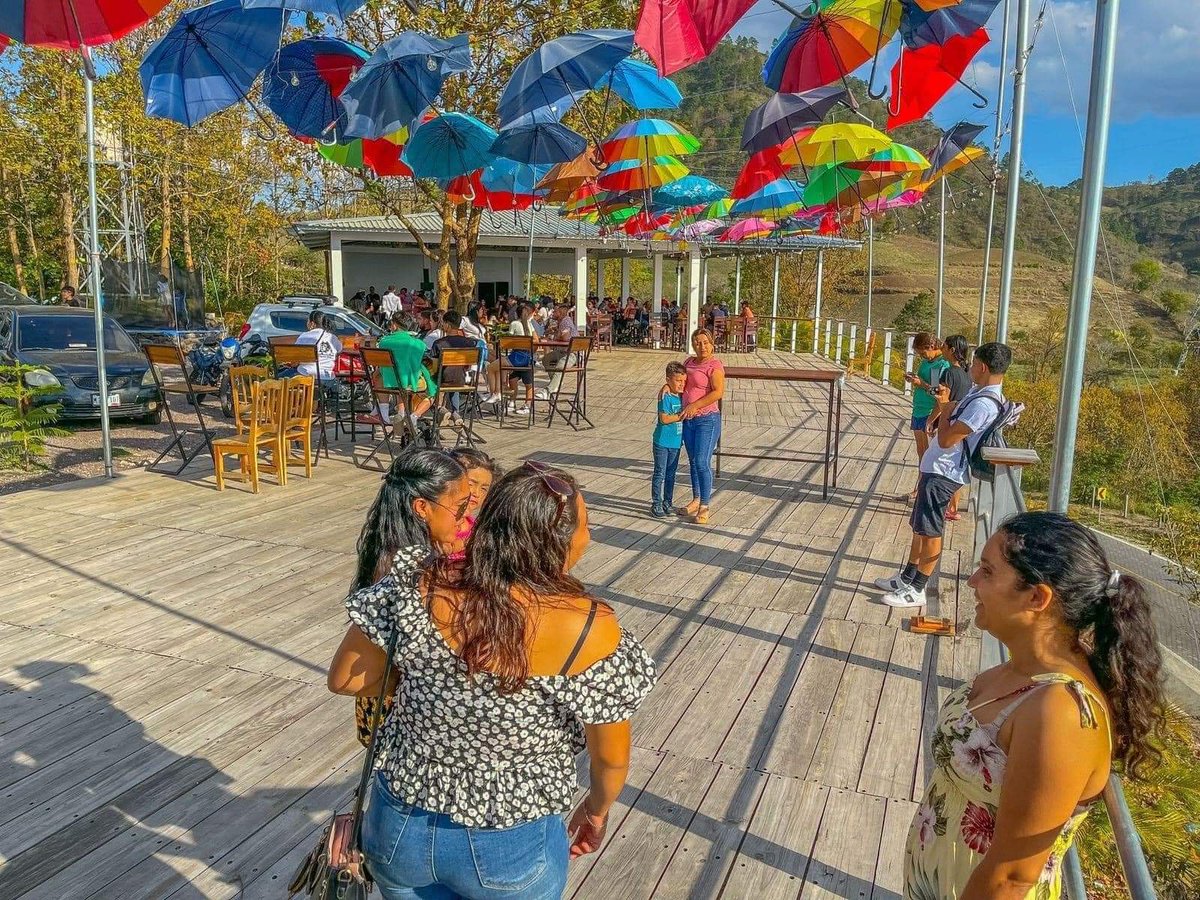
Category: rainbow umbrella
[747,230]
[830,44]
[647,138]
[70,24]
[780,198]
[896,158]
[717,210]
[837,142]
[964,158]
[302,86]
[642,175]
[381,155]
[826,183]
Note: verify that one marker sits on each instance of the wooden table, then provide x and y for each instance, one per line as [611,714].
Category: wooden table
[833,416]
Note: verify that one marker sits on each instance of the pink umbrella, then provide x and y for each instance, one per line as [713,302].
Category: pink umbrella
[747,230]
[699,229]
[677,33]
[908,198]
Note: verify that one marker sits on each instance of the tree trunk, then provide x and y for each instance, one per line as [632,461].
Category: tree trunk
[35,253]
[445,273]
[14,243]
[467,247]
[164,247]
[185,226]
[66,209]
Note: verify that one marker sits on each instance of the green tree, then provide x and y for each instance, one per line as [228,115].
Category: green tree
[1175,302]
[1146,273]
[918,314]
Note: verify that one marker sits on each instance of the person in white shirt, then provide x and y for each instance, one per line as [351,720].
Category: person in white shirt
[945,468]
[522,326]
[390,303]
[327,344]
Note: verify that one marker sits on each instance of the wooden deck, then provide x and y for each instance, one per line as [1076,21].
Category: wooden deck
[165,729]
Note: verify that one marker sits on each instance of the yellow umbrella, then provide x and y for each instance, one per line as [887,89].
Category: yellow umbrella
[837,142]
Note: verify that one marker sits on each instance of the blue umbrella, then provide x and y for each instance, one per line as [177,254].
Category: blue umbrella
[690,190]
[562,68]
[337,8]
[539,142]
[208,60]
[401,79]
[506,176]
[640,85]
[919,28]
[302,86]
[449,145]
[781,196]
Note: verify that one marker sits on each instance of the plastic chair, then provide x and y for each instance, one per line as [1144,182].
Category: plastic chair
[267,413]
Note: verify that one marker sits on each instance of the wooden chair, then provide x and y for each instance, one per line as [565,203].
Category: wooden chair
[862,364]
[241,380]
[288,355]
[375,361]
[456,358]
[170,357]
[267,414]
[602,332]
[575,362]
[298,422]
[506,344]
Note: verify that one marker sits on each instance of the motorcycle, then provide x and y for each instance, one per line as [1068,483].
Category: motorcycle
[253,351]
[206,365]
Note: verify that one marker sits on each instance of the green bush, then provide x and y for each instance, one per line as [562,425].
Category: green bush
[24,425]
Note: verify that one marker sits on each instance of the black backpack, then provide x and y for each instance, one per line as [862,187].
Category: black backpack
[1009,413]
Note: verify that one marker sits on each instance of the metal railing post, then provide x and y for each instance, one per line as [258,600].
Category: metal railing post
[887,356]
[853,338]
[908,361]
[837,350]
[795,331]
[828,335]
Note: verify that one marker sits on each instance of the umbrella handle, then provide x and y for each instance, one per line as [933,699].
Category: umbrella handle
[981,102]
[875,59]
[894,101]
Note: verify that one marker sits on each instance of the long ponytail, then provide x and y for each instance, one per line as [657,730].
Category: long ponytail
[1110,614]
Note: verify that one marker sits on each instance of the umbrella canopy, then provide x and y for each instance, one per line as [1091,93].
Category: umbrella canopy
[401,79]
[647,138]
[697,230]
[826,183]
[896,158]
[763,167]
[381,156]
[838,38]
[691,190]
[920,78]
[303,85]
[779,198]
[69,24]
[717,210]
[958,161]
[448,145]
[641,175]
[339,9]
[539,142]
[677,33]
[837,142]
[561,68]
[640,85]
[565,179]
[919,28]
[747,230]
[953,141]
[208,60]
[783,115]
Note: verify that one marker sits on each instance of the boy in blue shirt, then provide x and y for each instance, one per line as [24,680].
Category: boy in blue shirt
[668,437]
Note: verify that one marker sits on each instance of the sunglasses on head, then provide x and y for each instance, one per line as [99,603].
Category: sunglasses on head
[561,489]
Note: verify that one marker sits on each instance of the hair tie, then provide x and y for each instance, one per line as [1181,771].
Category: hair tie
[1114,584]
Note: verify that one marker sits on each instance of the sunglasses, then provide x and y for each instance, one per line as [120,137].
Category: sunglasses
[460,513]
[561,489]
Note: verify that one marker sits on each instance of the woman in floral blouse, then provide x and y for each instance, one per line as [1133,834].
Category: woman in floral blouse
[1080,690]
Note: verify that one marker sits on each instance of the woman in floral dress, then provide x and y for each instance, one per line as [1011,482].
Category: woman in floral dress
[1079,691]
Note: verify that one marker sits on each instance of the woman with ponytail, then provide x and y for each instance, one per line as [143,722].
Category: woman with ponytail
[507,670]
[1021,753]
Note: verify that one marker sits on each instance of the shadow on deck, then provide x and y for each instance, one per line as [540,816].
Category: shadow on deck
[162,649]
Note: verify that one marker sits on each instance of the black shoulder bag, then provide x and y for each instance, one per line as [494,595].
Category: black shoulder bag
[335,869]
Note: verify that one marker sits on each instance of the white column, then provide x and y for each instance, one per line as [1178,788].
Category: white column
[336,278]
[774,301]
[887,355]
[837,352]
[624,277]
[580,283]
[853,339]
[828,335]
[908,361]
[694,269]
[600,278]
[678,283]
[820,285]
[704,280]
[656,299]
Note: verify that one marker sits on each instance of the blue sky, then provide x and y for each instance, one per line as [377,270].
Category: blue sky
[1156,111]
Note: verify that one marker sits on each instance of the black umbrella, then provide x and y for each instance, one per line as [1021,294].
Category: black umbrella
[954,141]
[784,114]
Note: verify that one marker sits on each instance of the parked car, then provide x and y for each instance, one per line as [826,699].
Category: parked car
[61,342]
[270,320]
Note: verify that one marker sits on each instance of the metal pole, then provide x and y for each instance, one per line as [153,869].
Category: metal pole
[870,267]
[529,264]
[737,284]
[1008,256]
[775,301]
[820,286]
[1095,155]
[941,282]
[987,245]
[94,252]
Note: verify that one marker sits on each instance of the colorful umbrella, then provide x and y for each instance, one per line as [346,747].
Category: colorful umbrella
[896,158]
[565,179]
[826,183]
[562,68]
[920,78]
[838,38]
[691,190]
[506,176]
[382,156]
[339,9]
[775,121]
[837,142]
[69,24]
[646,139]
[640,85]
[717,210]
[763,167]
[449,144]
[953,141]
[208,60]
[919,28]
[779,198]
[677,33]
[539,142]
[402,78]
[641,175]
[303,85]
[747,230]
[958,161]
[697,230]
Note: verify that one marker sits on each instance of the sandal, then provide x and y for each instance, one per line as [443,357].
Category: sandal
[702,516]
[690,510]
[953,516]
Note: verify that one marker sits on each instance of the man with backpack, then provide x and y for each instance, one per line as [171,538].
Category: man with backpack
[946,466]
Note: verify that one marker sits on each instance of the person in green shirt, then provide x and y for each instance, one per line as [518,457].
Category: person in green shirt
[931,368]
[410,373]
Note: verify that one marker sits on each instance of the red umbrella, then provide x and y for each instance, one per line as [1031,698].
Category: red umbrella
[764,167]
[74,23]
[922,77]
[677,33]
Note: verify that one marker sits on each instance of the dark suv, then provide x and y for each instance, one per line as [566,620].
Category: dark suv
[60,341]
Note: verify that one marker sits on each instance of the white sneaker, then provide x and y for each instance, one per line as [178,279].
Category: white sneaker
[891,583]
[906,597]
[541,394]
[510,408]
[491,398]
[522,410]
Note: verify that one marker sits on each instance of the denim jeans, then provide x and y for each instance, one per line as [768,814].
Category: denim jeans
[700,436]
[662,484]
[414,854]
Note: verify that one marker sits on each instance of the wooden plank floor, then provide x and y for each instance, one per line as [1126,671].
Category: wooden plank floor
[165,729]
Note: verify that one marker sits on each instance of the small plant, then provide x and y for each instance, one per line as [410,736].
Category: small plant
[25,425]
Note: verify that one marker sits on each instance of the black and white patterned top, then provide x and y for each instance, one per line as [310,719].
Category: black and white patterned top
[455,745]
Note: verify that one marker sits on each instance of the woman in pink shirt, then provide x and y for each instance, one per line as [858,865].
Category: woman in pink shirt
[702,420]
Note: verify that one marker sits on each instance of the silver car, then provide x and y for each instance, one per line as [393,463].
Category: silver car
[290,317]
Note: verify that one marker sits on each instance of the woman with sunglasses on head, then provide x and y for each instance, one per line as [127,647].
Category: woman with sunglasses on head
[508,668]
[1022,753]
[423,503]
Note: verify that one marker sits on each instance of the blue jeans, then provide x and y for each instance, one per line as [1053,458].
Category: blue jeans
[662,484]
[700,436]
[418,855]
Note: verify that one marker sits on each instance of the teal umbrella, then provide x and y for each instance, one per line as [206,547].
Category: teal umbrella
[449,145]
